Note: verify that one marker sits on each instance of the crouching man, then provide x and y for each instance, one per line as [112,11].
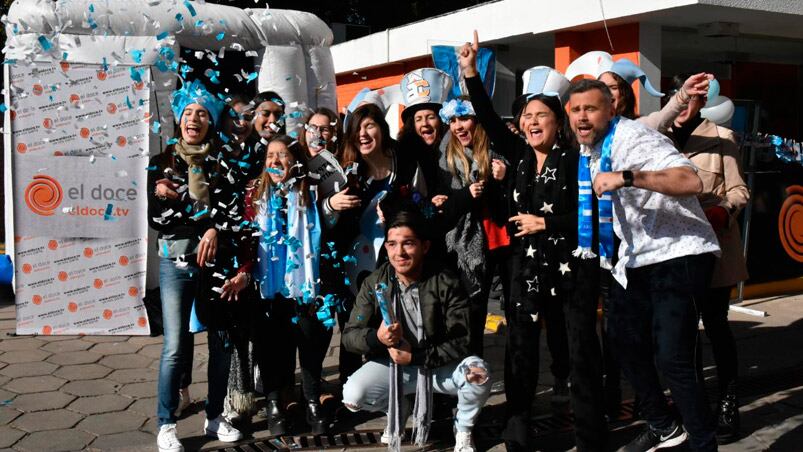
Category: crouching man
[410,319]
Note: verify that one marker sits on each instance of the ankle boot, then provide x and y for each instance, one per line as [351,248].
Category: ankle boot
[316,418]
[728,415]
[276,420]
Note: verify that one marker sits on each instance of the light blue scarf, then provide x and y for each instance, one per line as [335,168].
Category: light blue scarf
[585,221]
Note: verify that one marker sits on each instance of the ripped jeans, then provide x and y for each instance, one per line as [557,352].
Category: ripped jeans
[368,388]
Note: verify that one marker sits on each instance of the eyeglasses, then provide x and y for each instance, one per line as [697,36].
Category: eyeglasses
[319,129]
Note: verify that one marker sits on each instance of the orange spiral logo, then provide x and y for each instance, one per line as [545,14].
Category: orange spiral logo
[107,314]
[121,141]
[27,268]
[72,306]
[43,195]
[790,223]
[65,66]
[36,299]
[52,245]
[63,276]
[123,260]
[47,330]
[75,99]
[111,108]
[98,283]
[47,123]
[102,75]
[133,291]
[142,322]
[38,89]
[22,148]
[84,132]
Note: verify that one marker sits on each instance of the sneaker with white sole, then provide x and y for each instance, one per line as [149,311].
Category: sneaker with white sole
[220,428]
[463,442]
[650,439]
[184,401]
[385,439]
[167,440]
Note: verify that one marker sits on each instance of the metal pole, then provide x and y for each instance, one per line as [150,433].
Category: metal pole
[748,211]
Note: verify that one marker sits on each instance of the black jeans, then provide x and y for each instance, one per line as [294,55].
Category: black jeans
[313,339]
[521,365]
[557,340]
[715,320]
[654,321]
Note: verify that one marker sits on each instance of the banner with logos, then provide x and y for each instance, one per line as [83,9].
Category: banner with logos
[79,151]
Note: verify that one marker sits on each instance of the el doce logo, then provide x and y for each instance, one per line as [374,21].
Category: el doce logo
[43,195]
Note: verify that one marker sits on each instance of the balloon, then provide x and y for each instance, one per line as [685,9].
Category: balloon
[718,110]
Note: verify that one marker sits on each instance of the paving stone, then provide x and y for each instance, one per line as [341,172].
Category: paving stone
[85,388]
[145,340]
[144,405]
[42,401]
[153,350]
[121,442]
[24,356]
[79,357]
[2,364]
[82,372]
[108,423]
[100,339]
[6,395]
[100,404]
[4,379]
[128,361]
[47,420]
[116,348]
[74,345]
[58,338]
[136,390]
[20,343]
[27,385]
[9,436]
[46,441]
[28,369]
[152,425]
[133,375]
[8,414]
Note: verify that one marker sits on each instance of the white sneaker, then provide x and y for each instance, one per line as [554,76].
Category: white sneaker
[167,440]
[385,439]
[221,429]
[463,442]
[184,401]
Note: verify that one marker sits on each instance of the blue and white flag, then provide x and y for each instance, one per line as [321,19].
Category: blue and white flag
[445,59]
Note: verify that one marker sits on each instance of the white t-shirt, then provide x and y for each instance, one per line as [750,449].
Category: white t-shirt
[653,227]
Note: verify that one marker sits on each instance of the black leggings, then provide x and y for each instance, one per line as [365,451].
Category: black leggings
[714,312]
[278,337]
[498,262]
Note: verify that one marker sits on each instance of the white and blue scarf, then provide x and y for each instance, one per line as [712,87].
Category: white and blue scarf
[585,214]
[289,247]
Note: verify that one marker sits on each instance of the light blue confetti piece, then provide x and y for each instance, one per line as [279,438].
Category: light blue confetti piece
[200,214]
[179,17]
[245,165]
[91,8]
[3,108]
[136,74]
[162,35]
[156,126]
[276,171]
[63,56]
[136,55]
[251,77]
[223,137]
[45,43]
[108,215]
[128,103]
[189,8]
[294,320]
[91,21]
[220,36]
[173,140]
[347,281]
[104,65]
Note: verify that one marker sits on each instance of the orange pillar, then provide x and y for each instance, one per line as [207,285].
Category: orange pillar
[569,45]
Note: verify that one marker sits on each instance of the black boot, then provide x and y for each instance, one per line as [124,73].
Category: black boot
[316,418]
[277,424]
[728,415]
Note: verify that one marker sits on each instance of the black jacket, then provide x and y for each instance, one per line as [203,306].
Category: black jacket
[444,309]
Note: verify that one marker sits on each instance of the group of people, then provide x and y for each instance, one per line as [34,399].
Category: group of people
[403,252]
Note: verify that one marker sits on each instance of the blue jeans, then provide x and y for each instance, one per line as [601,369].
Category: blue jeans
[367,388]
[654,322]
[178,287]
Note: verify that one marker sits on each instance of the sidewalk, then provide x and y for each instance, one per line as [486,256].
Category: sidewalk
[98,393]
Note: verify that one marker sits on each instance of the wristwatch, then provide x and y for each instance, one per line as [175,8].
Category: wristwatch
[628,178]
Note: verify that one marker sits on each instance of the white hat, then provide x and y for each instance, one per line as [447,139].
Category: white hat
[424,87]
[597,62]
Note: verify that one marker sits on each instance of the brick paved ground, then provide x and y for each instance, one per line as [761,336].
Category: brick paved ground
[98,393]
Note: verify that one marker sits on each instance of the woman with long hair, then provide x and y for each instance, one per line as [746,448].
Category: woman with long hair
[477,244]
[544,229]
[180,207]
[281,206]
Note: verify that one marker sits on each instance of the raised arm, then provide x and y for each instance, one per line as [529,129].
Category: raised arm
[504,140]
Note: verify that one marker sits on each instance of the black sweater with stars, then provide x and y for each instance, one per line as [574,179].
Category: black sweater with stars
[553,197]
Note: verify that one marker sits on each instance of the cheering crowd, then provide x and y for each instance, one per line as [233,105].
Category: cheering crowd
[273,230]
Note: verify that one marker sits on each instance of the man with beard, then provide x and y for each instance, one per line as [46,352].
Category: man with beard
[664,265]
